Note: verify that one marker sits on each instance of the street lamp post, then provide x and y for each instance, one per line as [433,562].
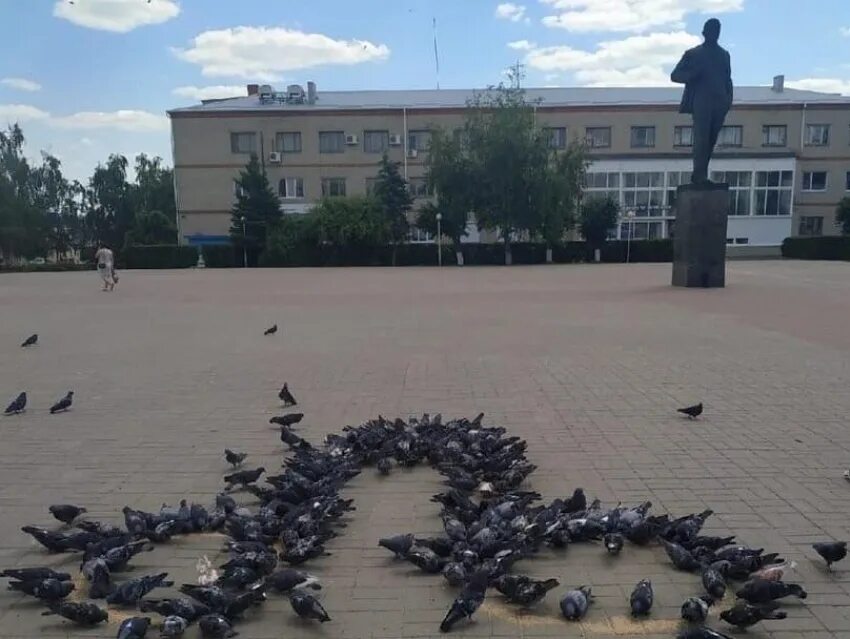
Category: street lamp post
[631,215]
[244,243]
[439,237]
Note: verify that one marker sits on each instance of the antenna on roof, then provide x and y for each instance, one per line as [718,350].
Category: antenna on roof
[436,54]
[515,74]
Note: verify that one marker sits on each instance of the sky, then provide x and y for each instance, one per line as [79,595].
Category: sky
[87,78]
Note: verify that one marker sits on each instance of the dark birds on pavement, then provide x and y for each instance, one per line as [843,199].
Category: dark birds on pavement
[63,404]
[831,551]
[701,633]
[681,558]
[307,606]
[18,405]
[577,502]
[134,628]
[695,609]
[691,411]
[467,602]
[66,513]
[188,609]
[613,543]
[286,396]
[714,583]
[759,591]
[744,615]
[426,560]
[287,420]
[384,466]
[398,544]
[524,590]
[45,589]
[574,603]
[30,341]
[641,598]
[84,614]
[97,574]
[129,592]
[243,477]
[234,458]
[35,574]
[215,626]
[271,331]
[173,626]
[289,578]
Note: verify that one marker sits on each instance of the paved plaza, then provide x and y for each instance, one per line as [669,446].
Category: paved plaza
[587,362]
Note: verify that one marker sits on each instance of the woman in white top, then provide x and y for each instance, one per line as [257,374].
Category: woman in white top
[106,267]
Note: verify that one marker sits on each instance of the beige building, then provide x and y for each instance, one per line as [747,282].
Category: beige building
[784,152]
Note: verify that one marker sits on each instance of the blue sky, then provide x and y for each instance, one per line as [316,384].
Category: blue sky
[94,77]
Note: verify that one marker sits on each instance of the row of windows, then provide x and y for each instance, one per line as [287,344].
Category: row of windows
[330,141]
[292,188]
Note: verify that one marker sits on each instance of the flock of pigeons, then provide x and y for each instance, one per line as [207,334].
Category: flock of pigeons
[489,524]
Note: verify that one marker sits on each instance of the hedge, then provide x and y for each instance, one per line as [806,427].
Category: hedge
[817,248]
[48,267]
[220,256]
[160,256]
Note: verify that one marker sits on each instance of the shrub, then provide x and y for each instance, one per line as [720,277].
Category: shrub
[160,256]
[641,251]
[47,268]
[220,256]
[293,241]
[817,248]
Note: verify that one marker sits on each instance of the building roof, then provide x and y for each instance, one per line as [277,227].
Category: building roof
[551,97]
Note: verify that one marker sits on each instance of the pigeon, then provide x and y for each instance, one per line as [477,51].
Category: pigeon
[455,573]
[225,502]
[34,574]
[187,609]
[290,419]
[384,466]
[691,411]
[701,633]
[129,592]
[467,602]
[63,404]
[66,513]
[426,560]
[398,544]
[695,609]
[744,615]
[574,603]
[173,626]
[641,598]
[134,628]
[233,458]
[45,589]
[30,341]
[681,558]
[61,542]
[286,396]
[577,502]
[18,405]
[84,614]
[271,331]
[613,543]
[96,572]
[215,626]
[289,578]
[759,591]
[714,583]
[240,603]
[243,477]
[307,606]
[831,551]
[524,590]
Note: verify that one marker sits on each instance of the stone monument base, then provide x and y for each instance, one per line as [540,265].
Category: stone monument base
[699,236]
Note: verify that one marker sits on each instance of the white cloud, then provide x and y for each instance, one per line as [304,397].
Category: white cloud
[86,142]
[827,85]
[119,16]
[522,45]
[122,120]
[210,92]
[21,113]
[845,31]
[630,15]
[511,11]
[21,84]
[262,53]
[634,61]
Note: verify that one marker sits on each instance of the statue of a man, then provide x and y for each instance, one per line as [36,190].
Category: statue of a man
[706,72]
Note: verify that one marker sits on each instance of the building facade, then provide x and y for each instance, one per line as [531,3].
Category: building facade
[785,153]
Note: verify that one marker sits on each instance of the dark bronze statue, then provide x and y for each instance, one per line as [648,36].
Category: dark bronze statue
[706,73]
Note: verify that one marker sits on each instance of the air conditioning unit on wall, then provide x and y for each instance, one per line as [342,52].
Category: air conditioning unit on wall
[352,140]
[274,157]
[395,140]
[412,153]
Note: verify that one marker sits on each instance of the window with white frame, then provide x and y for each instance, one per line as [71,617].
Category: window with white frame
[774,135]
[557,137]
[732,135]
[773,192]
[243,142]
[811,225]
[331,141]
[643,137]
[418,140]
[641,230]
[291,188]
[814,181]
[376,141]
[418,187]
[288,142]
[333,187]
[740,189]
[683,136]
[643,193]
[817,135]
[675,179]
[598,137]
[602,185]
[238,189]
[415,235]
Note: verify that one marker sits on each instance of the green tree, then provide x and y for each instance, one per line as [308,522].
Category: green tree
[154,187]
[257,208]
[110,208]
[353,225]
[393,197]
[294,239]
[151,227]
[842,215]
[598,216]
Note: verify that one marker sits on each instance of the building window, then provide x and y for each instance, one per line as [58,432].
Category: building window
[683,136]
[415,235]
[602,185]
[598,137]
[333,187]
[288,142]
[847,181]
[643,137]
[418,140]
[376,141]
[774,135]
[731,136]
[643,193]
[773,192]
[742,240]
[418,187]
[291,188]
[641,230]
[740,189]
[238,189]
[675,179]
[331,141]
[817,135]
[814,181]
[370,185]
[557,137]
[811,225]
[243,142]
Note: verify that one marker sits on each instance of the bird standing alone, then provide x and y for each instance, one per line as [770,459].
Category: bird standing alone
[286,396]
[63,404]
[18,405]
[271,331]
[691,411]
[30,341]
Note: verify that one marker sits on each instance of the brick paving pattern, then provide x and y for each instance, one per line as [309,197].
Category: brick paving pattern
[587,363]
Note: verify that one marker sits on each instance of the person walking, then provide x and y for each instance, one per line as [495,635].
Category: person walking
[106,267]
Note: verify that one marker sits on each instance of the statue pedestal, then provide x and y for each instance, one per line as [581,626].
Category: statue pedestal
[699,236]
